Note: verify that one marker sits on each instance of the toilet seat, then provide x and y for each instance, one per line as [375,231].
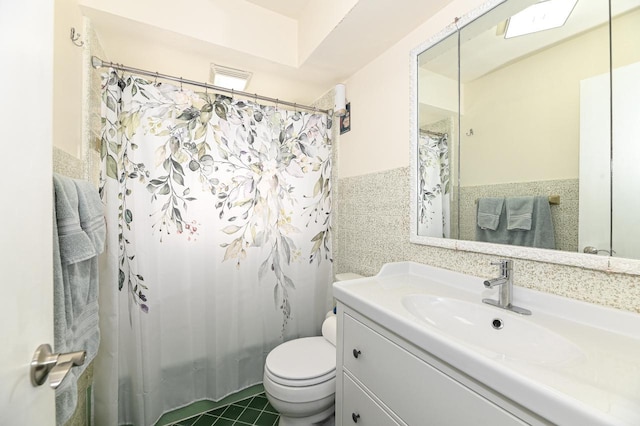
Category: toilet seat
[302,362]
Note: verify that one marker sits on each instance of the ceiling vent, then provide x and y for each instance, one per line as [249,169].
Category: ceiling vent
[230,78]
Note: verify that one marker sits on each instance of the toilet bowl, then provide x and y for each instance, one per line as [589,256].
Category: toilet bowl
[300,376]
[300,380]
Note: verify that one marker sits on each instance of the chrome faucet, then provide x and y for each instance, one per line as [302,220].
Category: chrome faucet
[505,282]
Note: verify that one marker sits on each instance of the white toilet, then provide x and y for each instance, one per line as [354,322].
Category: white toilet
[300,375]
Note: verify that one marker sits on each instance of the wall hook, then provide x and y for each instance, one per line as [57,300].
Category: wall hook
[469,133]
[75,37]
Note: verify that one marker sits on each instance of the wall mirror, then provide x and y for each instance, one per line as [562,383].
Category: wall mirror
[504,107]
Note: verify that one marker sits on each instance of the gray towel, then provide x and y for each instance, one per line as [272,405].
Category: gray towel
[540,235]
[519,213]
[489,210]
[78,237]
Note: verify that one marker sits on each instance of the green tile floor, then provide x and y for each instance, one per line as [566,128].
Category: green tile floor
[248,408]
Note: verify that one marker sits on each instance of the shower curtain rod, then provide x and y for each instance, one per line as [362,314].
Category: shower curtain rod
[99,63]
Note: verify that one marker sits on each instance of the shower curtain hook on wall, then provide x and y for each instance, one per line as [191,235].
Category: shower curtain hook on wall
[75,37]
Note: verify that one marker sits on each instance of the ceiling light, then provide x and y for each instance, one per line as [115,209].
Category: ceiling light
[539,17]
[230,78]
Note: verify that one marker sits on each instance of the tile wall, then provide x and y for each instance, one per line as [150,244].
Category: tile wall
[564,215]
[372,228]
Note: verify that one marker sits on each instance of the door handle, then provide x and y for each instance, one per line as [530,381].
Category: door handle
[56,366]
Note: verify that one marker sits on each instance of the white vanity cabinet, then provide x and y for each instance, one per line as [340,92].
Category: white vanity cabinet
[416,346]
[381,381]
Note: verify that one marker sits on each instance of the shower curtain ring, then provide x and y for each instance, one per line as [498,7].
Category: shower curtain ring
[181,84]
[233,95]
[295,107]
[155,80]
[255,97]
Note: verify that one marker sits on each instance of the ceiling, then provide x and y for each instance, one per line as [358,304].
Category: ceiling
[488,51]
[320,44]
[291,8]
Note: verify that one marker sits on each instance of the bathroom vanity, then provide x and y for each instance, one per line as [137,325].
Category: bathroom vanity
[416,346]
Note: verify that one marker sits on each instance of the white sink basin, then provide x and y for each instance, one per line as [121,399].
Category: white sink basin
[497,332]
[570,362]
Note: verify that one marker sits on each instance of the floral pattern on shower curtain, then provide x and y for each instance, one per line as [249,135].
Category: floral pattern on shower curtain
[219,215]
[433,186]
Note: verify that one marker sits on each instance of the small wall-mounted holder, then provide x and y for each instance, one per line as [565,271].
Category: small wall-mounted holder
[469,133]
[75,37]
[55,366]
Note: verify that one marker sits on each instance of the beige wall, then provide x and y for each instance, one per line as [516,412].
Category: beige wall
[538,139]
[67,83]
[379,93]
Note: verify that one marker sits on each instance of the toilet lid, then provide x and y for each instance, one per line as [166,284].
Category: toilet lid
[302,359]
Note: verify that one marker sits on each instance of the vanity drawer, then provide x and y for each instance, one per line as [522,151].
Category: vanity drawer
[360,409]
[432,398]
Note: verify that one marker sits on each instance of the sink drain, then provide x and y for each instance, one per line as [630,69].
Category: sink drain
[497,323]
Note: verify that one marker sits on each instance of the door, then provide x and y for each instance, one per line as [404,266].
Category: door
[594,217]
[596,225]
[26,304]
[626,158]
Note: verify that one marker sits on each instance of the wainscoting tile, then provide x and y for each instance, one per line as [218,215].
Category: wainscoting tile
[372,213]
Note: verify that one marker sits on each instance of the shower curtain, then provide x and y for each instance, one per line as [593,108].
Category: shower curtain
[434,210]
[218,213]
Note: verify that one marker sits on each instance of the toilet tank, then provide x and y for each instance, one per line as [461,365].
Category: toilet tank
[347,276]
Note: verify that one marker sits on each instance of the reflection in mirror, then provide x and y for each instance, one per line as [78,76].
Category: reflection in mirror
[533,121]
[434,215]
[625,41]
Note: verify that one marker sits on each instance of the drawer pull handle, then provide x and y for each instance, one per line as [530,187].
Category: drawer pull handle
[356,354]
[355,417]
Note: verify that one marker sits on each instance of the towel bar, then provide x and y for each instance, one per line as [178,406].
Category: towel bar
[553,200]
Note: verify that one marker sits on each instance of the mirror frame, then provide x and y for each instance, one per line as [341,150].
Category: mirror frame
[588,261]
